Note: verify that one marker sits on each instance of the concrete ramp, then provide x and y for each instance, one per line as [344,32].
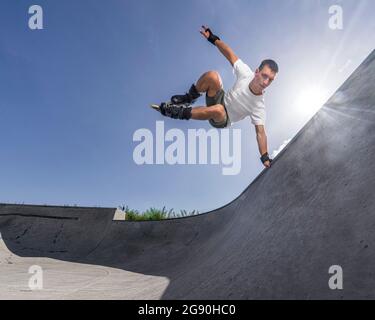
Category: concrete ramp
[313,209]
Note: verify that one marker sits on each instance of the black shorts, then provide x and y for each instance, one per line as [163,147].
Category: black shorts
[218,99]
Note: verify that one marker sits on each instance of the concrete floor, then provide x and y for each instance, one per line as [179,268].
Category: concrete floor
[313,209]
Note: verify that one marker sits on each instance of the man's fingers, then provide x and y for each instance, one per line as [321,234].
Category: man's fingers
[267,164]
[205,28]
[204,33]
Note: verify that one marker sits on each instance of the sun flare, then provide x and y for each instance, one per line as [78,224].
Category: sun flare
[311,99]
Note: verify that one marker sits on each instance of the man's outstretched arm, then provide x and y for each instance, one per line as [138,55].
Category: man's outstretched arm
[220,44]
[262,143]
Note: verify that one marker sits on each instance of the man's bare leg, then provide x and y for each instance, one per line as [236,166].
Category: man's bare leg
[216,112]
[210,83]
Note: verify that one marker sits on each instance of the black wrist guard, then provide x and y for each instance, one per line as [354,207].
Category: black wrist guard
[265,158]
[212,38]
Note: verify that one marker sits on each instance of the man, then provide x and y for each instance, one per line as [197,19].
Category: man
[223,109]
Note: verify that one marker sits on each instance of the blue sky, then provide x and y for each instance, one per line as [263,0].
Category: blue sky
[73,94]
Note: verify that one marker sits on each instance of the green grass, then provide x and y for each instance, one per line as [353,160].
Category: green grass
[154,214]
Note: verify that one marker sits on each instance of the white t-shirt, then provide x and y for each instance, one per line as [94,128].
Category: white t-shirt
[240,101]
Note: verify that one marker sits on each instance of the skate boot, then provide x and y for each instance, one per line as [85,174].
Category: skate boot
[186,99]
[173,111]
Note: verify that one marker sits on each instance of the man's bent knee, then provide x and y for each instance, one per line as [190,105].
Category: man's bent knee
[216,83]
[215,77]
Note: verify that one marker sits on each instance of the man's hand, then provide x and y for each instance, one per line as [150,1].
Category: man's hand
[262,144]
[267,164]
[266,160]
[207,33]
[223,47]
[204,31]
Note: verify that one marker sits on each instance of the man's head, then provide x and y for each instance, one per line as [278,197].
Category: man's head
[265,74]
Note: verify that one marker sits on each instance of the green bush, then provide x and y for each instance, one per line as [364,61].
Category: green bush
[154,214]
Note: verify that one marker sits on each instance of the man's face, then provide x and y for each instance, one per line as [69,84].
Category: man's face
[263,78]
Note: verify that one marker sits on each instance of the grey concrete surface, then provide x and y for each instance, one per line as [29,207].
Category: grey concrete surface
[313,209]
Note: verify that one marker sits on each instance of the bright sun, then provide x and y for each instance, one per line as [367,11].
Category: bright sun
[310,100]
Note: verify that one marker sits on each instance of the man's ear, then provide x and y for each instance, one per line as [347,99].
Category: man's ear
[257,71]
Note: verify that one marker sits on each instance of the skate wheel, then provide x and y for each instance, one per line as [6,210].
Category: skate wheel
[155,107]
